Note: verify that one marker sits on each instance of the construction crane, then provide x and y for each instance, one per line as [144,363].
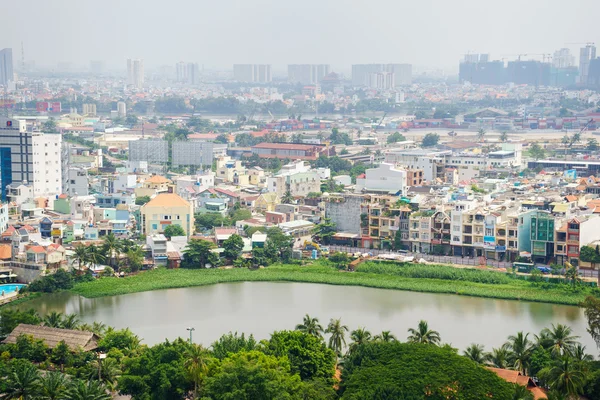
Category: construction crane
[380,121]
[544,56]
[515,55]
[586,43]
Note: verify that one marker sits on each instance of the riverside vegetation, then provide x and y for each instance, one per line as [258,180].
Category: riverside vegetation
[303,363]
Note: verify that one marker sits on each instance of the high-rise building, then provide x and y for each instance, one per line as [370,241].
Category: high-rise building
[361,73]
[586,54]
[563,59]
[307,74]
[196,153]
[135,73]
[252,73]
[32,158]
[193,73]
[150,150]
[181,72]
[6,67]
[382,80]
[122,109]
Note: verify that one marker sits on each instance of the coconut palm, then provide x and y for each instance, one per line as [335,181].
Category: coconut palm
[109,370]
[521,393]
[311,326]
[578,353]
[112,247]
[90,390]
[54,320]
[481,134]
[476,353]
[196,364]
[520,348]
[81,255]
[504,137]
[95,255]
[561,339]
[359,336]
[53,386]
[564,376]
[23,382]
[423,334]
[70,321]
[572,274]
[386,337]
[337,340]
[498,357]
[135,255]
[287,198]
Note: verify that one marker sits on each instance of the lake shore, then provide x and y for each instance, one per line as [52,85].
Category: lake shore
[179,278]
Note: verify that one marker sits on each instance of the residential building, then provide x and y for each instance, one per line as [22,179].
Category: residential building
[252,73]
[149,150]
[297,177]
[158,248]
[135,73]
[166,209]
[77,182]
[575,233]
[154,184]
[386,178]
[29,157]
[196,153]
[121,109]
[307,74]
[289,150]
[586,54]
[361,73]
[344,210]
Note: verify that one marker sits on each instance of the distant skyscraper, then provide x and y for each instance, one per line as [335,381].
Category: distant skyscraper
[307,74]
[361,73]
[193,73]
[135,73]
[563,59]
[382,80]
[586,54]
[6,67]
[181,72]
[252,73]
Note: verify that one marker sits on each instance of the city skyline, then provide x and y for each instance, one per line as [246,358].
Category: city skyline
[266,32]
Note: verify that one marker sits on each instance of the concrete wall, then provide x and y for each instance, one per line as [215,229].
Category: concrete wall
[345,213]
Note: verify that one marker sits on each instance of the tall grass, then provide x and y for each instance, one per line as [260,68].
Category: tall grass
[321,273]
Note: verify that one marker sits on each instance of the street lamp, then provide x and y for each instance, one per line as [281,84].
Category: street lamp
[101,356]
[191,330]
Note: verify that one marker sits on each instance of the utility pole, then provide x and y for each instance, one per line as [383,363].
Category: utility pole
[191,330]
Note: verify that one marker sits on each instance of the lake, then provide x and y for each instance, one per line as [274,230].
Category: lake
[263,307]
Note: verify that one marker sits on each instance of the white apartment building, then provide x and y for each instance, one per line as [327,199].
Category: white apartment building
[385,178]
[29,157]
[297,177]
[77,182]
[204,180]
[135,73]
[432,163]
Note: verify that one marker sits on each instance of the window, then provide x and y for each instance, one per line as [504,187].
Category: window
[154,226]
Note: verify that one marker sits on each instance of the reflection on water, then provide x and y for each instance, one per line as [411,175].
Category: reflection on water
[263,307]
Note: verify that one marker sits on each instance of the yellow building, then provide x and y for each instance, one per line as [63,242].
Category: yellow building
[267,201]
[166,209]
[154,185]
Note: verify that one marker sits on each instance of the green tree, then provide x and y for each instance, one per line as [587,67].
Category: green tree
[233,246]
[90,390]
[122,339]
[111,248]
[53,386]
[251,375]
[536,151]
[359,336]
[481,134]
[61,354]
[49,126]
[280,243]
[53,320]
[591,308]
[520,348]
[311,326]
[95,255]
[80,256]
[10,318]
[135,257]
[196,364]
[498,357]
[324,231]
[70,321]
[395,138]
[565,376]
[337,338]
[423,334]
[233,343]
[287,198]
[592,144]
[562,340]
[430,140]
[222,138]
[22,382]
[140,201]
[174,230]
[385,336]
[198,253]
[131,120]
[476,353]
[308,355]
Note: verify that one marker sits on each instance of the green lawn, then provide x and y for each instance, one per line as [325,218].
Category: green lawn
[318,273]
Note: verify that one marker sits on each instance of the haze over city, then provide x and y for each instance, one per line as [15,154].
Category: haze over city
[425,33]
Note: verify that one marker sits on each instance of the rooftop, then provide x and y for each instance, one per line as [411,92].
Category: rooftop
[166,200]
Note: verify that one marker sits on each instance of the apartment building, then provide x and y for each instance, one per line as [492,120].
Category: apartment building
[386,178]
[166,209]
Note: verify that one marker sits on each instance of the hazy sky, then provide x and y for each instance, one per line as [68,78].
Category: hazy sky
[218,33]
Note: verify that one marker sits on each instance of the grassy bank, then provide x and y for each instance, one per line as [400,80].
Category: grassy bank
[513,289]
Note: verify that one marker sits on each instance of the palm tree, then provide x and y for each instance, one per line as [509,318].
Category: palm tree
[112,247]
[337,340]
[95,255]
[423,334]
[196,364]
[359,336]
[579,354]
[135,255]
[109,369]
[90,390]
[504,137]
[81,255]
[521,393]
[520,348]
[572,274]
[498,357]
[561,339]
[311,326]
[481,134]
[386,337]
[564,376]
[54,320]
[476,353]
[70,321]
[23,382]
[287,198]
[53,386]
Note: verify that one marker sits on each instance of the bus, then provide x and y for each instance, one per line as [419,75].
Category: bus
[522,267]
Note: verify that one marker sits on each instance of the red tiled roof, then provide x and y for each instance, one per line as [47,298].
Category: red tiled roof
[285,146]
[227,192]
[36,249]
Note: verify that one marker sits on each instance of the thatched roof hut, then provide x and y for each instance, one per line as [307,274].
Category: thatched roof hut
[53,336]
